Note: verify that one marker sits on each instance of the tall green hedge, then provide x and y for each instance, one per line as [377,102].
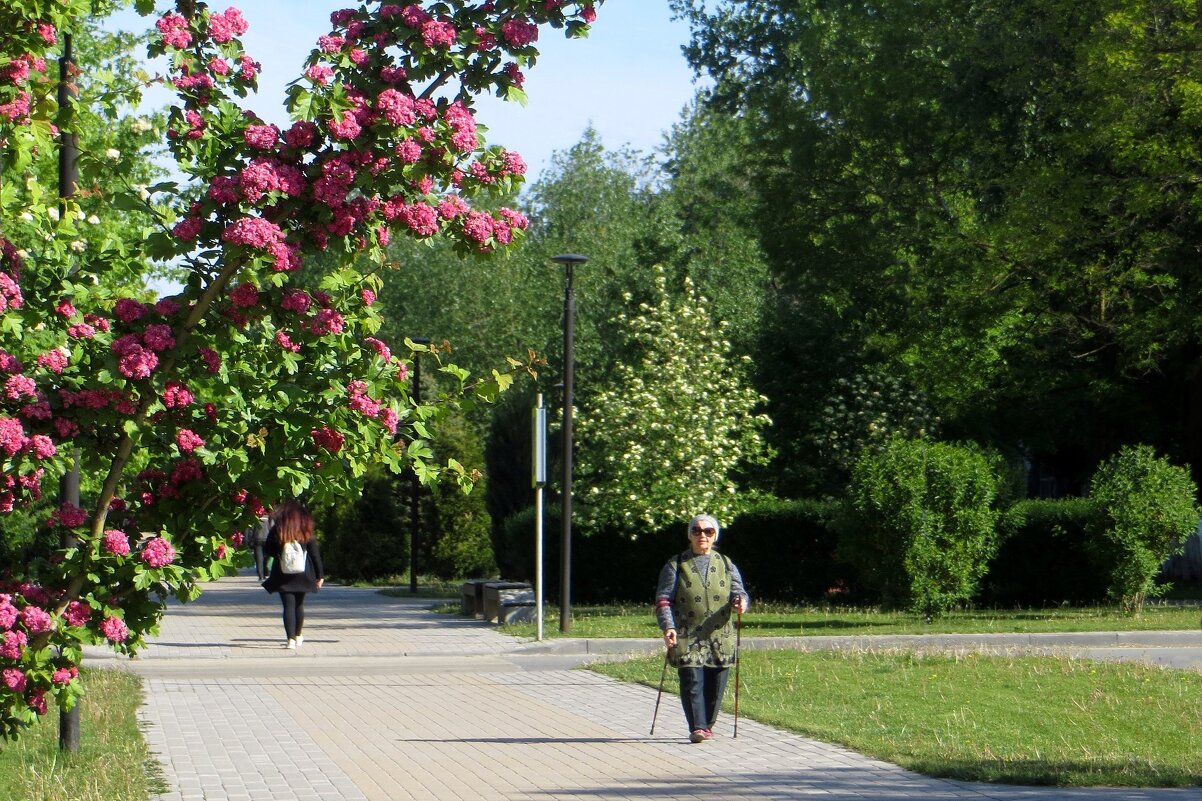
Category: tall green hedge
[784,549]
[1046,557]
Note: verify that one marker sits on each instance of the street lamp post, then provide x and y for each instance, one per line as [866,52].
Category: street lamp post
[69,736]
[569,262]
[414,484]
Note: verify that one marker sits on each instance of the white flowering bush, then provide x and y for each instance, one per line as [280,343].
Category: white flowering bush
[662,441]
[865,412]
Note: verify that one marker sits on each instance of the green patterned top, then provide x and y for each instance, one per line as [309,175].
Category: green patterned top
[701,608]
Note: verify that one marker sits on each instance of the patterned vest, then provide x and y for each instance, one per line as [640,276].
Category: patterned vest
[701,606]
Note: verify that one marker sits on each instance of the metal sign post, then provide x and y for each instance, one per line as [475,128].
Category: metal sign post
[538,477]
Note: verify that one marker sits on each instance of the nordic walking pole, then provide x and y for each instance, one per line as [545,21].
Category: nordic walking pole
[738,659]
[662,675]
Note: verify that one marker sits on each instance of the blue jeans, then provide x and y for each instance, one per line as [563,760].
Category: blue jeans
[701,690]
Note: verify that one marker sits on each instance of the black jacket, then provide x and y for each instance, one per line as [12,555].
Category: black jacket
[279,581]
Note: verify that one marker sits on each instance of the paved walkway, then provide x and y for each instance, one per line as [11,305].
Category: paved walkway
[387,701]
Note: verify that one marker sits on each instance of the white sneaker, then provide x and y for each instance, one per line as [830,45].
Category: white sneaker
[300,640]
[291,645]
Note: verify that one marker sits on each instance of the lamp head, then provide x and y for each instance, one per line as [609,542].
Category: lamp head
[569,259]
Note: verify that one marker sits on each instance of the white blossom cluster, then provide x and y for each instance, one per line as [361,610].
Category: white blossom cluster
[868,409]
[661,442]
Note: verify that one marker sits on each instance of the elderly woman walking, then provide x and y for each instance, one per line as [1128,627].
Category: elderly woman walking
[698,590]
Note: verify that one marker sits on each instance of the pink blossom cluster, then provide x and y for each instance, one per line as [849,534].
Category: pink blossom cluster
[68,515]
[438,33]
[176,395]
[188,440]
[360,401]
[263,176]
[327,438]
[174,30]
[9,614]
[36,620]
[64,675]
[158,484]
[379,347]
[55,360]
[226,25]
[285,342]
[326,321]
[97,399]
[157,552]
[519,33]
[12,644]
[463,126]
[245,295]
[320,74]
[296,300]
[14,78]
[115,542]
[134,360]
[261,137]
[78,613]
[14,679]
[10,293]
[128,310]
[114,629]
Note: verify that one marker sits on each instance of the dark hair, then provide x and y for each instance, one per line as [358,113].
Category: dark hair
[293,522]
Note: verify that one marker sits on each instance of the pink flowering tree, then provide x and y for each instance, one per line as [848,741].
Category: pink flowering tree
[195,412]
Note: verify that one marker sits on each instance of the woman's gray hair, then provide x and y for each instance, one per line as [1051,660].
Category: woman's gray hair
[706,519]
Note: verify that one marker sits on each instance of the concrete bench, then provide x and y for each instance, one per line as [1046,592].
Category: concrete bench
[472,597]
[517,606]
[494,591]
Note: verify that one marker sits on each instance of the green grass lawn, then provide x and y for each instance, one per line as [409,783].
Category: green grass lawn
[793,621]
[1020,720]
[112,763]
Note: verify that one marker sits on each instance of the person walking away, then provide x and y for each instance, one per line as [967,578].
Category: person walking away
[256,536]
[698,589]
[296,567]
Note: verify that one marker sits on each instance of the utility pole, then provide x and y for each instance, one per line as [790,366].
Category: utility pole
[569,262]
[68,177]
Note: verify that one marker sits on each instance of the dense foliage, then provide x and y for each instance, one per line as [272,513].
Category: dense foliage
[996,202]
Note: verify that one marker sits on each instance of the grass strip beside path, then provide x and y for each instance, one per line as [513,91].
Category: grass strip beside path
[1016,720]
[767,620]
[113,761]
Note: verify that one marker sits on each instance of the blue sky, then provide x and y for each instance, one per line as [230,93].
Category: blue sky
[628,79]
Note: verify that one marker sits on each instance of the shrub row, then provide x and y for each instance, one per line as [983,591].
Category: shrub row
[786,550]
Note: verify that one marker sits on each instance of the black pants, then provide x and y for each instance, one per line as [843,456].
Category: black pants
[294,613]
[260,560]
[701,690]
